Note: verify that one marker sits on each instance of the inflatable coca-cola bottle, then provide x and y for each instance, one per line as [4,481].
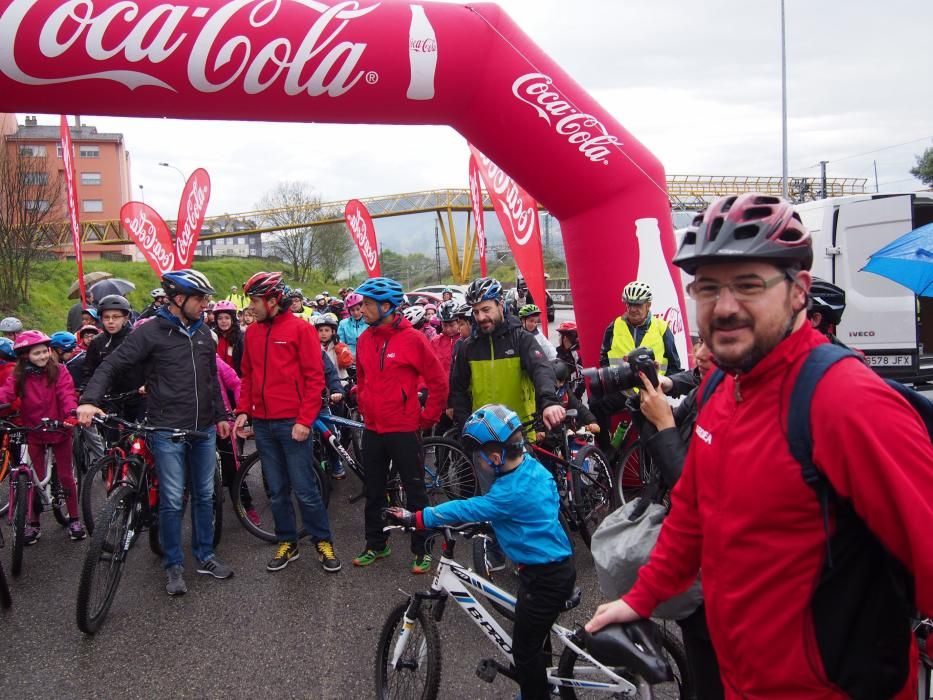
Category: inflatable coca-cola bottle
[653,269]
[422,52]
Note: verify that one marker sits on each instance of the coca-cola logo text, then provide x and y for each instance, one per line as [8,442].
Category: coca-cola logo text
[423,45]
[361,234]
[673,319]
[147,238]
[194,207]
[476,199]
[217,58]
[508,197]
[582,130]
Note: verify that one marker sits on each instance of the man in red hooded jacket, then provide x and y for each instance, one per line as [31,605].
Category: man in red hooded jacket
[797,606]
[391,359]
[281,387]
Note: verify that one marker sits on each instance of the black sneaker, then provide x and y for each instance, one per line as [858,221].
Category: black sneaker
[329,560]
[214,567]
[284,554]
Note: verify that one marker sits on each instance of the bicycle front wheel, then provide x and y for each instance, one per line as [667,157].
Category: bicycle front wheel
[6,599]
[94,487]
[218,503]
[417,674]
[20,499]
[573,666]
[448,471]
[627,473]
[593,494]
[106,555]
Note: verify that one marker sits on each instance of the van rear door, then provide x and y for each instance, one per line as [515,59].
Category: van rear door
[881,315]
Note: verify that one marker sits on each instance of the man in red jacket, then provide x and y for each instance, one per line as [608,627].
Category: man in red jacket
[797,608]
[281,386]
[391,359]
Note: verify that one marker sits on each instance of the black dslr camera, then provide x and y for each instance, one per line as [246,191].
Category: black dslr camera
[605,381]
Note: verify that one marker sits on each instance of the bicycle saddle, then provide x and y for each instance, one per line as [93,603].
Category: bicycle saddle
[632,645]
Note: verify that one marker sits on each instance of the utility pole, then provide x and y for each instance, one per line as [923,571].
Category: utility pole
[437,254]
[783,104]
[823,178]
[875,165]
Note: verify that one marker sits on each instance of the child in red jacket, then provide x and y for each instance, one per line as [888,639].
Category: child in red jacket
[44,390]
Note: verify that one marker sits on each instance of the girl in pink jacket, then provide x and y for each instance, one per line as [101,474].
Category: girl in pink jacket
[43,389]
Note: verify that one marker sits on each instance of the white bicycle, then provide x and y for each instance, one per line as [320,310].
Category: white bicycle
[622,661]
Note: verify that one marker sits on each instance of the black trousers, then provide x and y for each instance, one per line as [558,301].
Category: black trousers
[404,451]
[701,656]
[542,591]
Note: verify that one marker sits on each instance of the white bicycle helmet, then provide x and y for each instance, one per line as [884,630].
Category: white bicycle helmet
[414,314]
[636,293]
[11,324]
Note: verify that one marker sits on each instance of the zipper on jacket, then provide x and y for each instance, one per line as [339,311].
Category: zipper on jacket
[738,389]
[382,359]
[194,366]
[265,368]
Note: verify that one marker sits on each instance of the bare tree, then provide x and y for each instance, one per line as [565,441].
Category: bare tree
[293,203]
[30,197]
[334,246]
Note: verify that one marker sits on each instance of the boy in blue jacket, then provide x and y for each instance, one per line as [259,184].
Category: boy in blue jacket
[523,508]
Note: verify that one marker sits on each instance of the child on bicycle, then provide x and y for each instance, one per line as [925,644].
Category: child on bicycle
[41,388]
[523,508]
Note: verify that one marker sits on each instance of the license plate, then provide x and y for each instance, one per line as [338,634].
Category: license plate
[889,360]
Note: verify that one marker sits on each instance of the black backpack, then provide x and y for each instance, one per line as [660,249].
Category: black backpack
[864,601]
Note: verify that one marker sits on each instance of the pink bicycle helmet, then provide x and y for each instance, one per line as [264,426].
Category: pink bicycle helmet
[352,300]
[27,339]
[225,306]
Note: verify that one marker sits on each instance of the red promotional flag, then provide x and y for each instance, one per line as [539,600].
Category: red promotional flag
[191,212]
[363,233]
[476,199]
[68,159]
[143,224]
[518,216]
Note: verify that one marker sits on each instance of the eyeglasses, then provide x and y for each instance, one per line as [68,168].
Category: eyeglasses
[745,288]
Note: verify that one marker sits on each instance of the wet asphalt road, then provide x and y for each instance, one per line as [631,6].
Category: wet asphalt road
[296,633]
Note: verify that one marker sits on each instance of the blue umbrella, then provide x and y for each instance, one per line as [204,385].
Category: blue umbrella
[907,260]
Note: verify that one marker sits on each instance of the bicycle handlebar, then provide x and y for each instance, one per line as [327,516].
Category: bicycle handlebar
[465,530]
[111,419]
[46,425]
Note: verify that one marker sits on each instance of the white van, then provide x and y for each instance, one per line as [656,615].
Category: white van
[886,321]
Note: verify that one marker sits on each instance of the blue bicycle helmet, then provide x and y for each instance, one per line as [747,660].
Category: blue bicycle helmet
[187,282]
[483,289]
[63,341]
[6,349]
[382,289]
[492,424]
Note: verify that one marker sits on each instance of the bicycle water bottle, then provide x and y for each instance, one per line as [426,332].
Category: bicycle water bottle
[618,437]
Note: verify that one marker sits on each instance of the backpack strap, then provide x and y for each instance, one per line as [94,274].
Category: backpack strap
[714,380]
[799,434]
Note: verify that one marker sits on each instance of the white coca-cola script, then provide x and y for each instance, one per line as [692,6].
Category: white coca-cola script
[315,64]
[423,45]
[360,232]
[582,130]
[147,238]
[508,197]
[673,319]
[194,208]
[476,199]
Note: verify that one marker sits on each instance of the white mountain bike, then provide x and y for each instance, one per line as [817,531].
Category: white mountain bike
[623,661]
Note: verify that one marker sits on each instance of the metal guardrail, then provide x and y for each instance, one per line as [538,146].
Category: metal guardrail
[561,297]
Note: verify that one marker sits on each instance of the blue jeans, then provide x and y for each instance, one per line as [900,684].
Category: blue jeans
[288,466]
[171,459]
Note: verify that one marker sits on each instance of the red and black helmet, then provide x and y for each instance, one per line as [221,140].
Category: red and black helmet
[750,226]
[268,285]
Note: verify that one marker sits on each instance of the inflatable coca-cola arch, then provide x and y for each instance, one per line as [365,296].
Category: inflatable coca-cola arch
[368,61]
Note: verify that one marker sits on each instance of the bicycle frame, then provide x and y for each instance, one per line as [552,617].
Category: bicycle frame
[35,484]
[455,580]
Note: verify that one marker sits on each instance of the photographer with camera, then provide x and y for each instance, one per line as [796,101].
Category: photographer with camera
[636,328]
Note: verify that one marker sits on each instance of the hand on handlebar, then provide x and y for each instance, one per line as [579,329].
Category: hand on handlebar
[608,613]
[336,397]
[403,517]
[86,412]
[553,416]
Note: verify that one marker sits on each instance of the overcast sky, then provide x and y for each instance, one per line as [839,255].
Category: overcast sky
[697,82]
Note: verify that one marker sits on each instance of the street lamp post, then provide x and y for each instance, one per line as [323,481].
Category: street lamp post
[177,170]
[142,194]
[783,105]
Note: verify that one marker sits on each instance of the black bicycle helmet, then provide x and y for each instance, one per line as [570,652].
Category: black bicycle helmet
[561,370]
[751,226]
[447,311]
[114,302]
[828,299]
[187,282]
[483,289]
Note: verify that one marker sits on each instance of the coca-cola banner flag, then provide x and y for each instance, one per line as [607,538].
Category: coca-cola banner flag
[191,212]
[361,62]
[143,224]
[518,216]
[476,200]
[68,159]
[363,234]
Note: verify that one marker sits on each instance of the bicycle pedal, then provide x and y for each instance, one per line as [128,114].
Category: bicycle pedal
[487,670]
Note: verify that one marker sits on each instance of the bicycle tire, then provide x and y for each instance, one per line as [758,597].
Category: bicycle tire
[20,499]
[250,476]
[218,504]
[626,473]
[108,545]
[6,460]
[593,493]
[59,504]
[674,651]
[454,475]
[94,490]
[6,598]
[427,656]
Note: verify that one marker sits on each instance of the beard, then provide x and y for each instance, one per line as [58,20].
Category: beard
[762,343]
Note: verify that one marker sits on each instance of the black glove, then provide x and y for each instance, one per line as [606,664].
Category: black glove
[404,517]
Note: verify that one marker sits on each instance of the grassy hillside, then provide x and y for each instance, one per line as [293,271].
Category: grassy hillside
[48,287]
